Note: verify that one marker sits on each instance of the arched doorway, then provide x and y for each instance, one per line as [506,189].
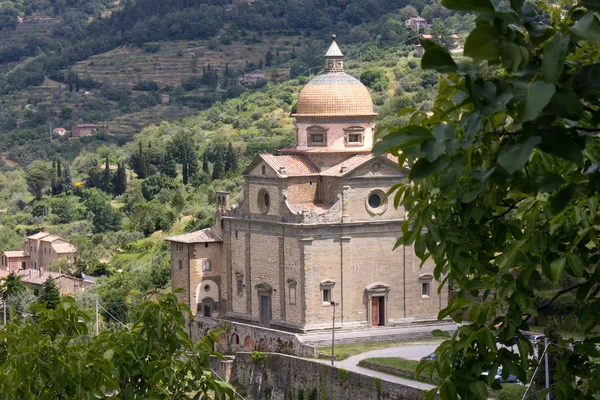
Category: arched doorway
[207,298]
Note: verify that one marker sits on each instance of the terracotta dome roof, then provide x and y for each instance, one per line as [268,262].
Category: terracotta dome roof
[334,94]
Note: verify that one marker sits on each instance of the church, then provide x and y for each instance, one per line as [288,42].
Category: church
[315,227]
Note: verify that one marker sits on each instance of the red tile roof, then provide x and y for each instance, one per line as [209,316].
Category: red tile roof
[318,208]
[293,165]
[51,238]
[64,248]
[204,236]
[11,254]
[38,235]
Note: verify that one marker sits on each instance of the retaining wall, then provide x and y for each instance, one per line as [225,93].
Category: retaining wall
[243,337]
[283,377]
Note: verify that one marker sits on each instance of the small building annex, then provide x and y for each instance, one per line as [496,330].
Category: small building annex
[315,226]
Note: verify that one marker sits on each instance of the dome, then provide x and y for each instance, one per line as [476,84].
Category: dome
[334,94]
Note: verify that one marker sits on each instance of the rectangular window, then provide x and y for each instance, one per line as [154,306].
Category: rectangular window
[236,234]
[180,264]
[317,139]
[206,244]
[239,284]
[44,250]
[206,265]
[292,294]
[354,138]
[326,295]
[179,248]
[425,287]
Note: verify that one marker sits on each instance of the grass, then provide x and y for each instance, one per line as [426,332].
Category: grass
[399,367]
[406,369]
[343,351]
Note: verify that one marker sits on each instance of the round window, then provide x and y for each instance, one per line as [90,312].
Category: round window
[207,288]
[376,202]
[264,201]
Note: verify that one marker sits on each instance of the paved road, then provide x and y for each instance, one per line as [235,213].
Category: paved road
[411,351]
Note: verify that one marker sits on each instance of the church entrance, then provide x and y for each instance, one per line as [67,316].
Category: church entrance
[378,311]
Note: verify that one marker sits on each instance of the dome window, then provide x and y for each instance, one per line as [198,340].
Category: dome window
[354,135]
[317,136]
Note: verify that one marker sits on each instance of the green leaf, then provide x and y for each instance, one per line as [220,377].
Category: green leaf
[424,168]
[440,333]
[108,354]
[561,199]
[576,265]
[557,269]
[483,43]
[448,391]
[591,4]
[436,58]
[566,104]
[514,157]
[561,145]
[553,61]
[587,81]
[407,136]
[476,6]
[479,388]
[511,56]
[588,27]
[532,98]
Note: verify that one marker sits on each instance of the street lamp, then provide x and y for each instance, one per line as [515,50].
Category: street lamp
[334,304]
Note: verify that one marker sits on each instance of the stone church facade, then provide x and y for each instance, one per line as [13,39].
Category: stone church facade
[315,226]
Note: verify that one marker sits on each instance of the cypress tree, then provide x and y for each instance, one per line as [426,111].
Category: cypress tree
[142,167]
[218,166]
[106,181]
[50,294]
[54,179]
[205,162]
[230,159]
[76,82]
[67,182]
[120,180]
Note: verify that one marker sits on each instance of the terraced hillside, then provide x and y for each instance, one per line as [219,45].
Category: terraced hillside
[173,61]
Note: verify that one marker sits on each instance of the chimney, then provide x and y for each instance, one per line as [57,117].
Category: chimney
[282,170]
[343,169]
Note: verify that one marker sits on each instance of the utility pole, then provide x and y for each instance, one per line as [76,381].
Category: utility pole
[334,304]
[96,316]
[546,368]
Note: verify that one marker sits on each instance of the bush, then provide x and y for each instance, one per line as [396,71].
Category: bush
[146,86]
[152,48]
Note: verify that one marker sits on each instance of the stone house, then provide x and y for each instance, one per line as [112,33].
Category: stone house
[44,248]
[84,130]
[59,131]
[315,227]
[417,23]
[35,279]
[14,260]
[251,78]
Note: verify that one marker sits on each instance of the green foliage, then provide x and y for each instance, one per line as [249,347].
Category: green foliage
[104,217]
[155,184]
[150,216]
[343,374]
[11,286]
[258,357]
[375,79]
[49,295]
[378,386]
[503,188]
[38,177]
[121,362]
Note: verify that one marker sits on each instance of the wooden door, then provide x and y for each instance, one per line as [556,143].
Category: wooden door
[375,311]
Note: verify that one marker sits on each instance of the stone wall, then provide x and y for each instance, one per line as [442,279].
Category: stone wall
[244,337]
[284,377]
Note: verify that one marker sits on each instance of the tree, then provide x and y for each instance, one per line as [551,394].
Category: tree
[408,12]
[503,189]
[205,163]
[67,181]
[122,362]
[39,177]
[269,58]
[11,286]
[152,186]
[230,159]
[107,181]
[77,83]
[139,162]
[218,165]
[120,180]
[49,296]
[104,217]
[183,149]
